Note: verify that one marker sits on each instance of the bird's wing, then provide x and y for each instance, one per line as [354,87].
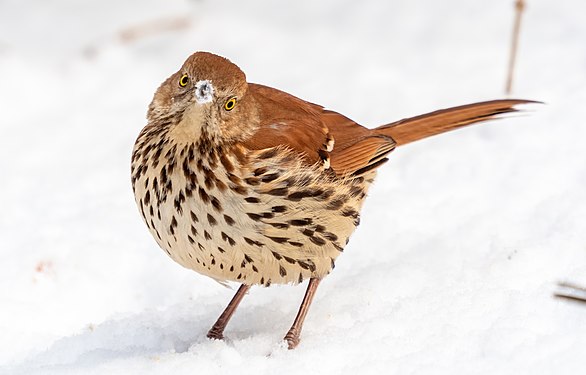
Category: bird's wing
[318,135]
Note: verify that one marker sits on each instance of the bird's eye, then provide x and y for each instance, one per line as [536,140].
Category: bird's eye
[230,104]
[184,80]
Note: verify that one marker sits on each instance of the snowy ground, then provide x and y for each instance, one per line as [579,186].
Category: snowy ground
[462,240]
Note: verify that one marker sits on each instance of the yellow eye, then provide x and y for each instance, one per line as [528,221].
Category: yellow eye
[230,104]
[184,80]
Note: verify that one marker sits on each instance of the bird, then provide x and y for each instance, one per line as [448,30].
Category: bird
[245,183]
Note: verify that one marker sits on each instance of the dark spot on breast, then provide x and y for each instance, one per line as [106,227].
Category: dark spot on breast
[277,239]
[279,192]
[296,244]
[172,226]
[147,197]
[308,193]
[212,220]
[270,177]
[234,179]
[201,248]
[206,235]
[239,189]
[260,171]
[282,271]
[216,204]
[193,231]
[253,242]
[228,239]
[253,181]
[229,220]
[307,232]
[336,203]
[300,280]
[252,200]
[221,186]
[253,216]
[356,191]
[279,209]
[226,163]
[231,268]
[290,260]
[190,239]
[300,222]
[330,236]
[178,201]
[277,255]
[350,212]
[203,195]
[317,240]
[319,228]
[306,265]
[221,250]
[194,217]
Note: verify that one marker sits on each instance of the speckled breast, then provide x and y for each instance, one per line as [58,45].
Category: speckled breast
[255,217]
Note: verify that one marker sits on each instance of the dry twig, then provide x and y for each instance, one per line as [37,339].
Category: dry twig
[571,292]
[519,7]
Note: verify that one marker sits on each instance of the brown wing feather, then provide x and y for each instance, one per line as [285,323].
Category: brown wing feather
[423,126]
[287,120]
[306,128]
[360,156]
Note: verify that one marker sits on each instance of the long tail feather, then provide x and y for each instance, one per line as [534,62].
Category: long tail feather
[423,126]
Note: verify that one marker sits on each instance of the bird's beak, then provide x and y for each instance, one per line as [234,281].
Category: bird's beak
[204,92]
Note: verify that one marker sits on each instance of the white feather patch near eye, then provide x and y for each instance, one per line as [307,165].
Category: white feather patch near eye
[204,91]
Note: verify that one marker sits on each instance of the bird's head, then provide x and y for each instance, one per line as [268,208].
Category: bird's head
[206,97]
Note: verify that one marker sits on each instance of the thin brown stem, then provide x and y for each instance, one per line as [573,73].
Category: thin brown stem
[217,331]
[570,297]
[572,292]
[292,337]
[519,7]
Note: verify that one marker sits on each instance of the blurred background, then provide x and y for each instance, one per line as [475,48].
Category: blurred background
[462,241]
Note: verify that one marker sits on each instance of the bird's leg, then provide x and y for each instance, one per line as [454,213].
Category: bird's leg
[217,331]
[292,337]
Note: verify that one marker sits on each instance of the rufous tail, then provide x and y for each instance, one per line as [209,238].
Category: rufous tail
[415,128]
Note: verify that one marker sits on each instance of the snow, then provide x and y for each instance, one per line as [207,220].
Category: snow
[462,241]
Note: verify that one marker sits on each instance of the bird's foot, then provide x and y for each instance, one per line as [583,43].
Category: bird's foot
[292,338]
[215,333]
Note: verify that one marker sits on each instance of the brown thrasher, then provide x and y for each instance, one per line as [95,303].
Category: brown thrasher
[242,182]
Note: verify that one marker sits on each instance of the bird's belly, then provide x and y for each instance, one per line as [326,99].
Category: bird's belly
[234,228]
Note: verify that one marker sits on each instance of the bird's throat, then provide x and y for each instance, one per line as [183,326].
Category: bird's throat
[193,125]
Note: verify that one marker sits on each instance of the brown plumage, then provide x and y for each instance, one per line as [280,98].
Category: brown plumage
[242,182]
